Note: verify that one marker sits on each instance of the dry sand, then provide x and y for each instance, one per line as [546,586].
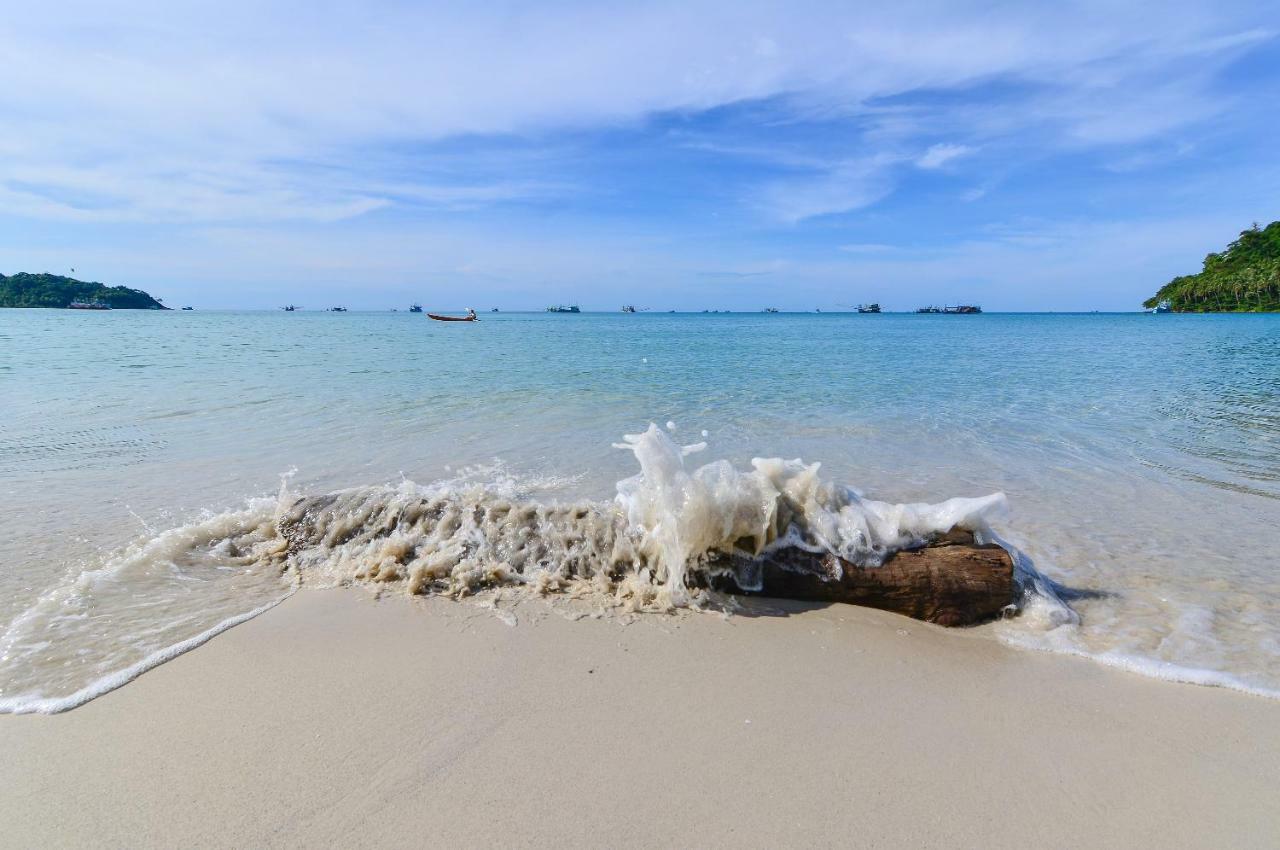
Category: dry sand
[339,720]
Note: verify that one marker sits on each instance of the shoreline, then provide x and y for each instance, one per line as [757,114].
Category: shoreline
[335,717]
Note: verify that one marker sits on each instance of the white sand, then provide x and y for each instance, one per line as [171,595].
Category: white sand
[336,720]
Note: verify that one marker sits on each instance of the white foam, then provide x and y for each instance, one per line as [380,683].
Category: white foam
[36,704]
[479,529]
[1061,642]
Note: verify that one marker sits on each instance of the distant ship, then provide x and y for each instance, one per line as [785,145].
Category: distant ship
[289,308]
[87,305]
[868,308]
[770,309]
[415,308]
[1162,307]
[561,308]
[962,310]
[628,308]
[494,310]
[188,308]
[929,310]
[337,309]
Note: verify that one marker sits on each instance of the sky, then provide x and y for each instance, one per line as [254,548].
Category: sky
[685,155]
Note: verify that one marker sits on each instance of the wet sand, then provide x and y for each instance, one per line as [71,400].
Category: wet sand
[340,720]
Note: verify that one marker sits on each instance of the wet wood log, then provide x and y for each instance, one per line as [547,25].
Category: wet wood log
[952,581]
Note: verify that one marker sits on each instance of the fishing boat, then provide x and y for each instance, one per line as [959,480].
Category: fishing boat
[470,317]
[561,308]
[415,308]
[87,305]
[337,309]
[628,308]
[770,309]
[289,308]
[868,308]
[1162,307]
[188,308]
[929,310]
[962,310]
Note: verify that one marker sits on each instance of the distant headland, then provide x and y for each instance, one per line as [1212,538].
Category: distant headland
[1245,278]
[52,290]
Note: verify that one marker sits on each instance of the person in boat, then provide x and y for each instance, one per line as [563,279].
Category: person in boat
[471,313]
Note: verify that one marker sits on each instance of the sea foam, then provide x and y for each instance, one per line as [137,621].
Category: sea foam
[648,549]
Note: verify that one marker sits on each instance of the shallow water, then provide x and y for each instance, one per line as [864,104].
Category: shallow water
[1140,454]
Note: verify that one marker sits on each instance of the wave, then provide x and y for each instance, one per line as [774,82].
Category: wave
[655,546]
[665,529]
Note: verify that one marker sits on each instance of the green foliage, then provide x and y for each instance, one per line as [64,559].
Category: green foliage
[51,290]
[1243,278]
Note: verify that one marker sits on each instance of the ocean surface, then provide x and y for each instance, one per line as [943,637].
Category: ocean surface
[145,459]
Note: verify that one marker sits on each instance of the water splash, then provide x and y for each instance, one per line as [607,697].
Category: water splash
[637,552]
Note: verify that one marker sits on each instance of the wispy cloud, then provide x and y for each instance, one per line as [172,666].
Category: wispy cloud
[676,122]
[256,83]
[847,185]
[866,248]
[939,155]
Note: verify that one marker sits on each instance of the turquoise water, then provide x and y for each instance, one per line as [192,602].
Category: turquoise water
[1140,454]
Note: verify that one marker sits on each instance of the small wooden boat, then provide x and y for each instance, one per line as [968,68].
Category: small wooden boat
[470,317]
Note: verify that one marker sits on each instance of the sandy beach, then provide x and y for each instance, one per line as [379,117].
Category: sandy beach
[337,719]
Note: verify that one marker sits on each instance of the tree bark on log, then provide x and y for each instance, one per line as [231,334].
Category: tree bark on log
[952,581]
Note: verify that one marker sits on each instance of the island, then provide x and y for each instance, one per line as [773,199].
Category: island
[1245,278]
[51,290]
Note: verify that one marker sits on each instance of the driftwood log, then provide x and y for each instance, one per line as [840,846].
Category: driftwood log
[952,581]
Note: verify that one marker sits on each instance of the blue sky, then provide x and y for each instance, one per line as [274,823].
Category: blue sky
[675,155]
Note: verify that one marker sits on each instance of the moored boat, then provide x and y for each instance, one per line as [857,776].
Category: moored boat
[562,308]
[88,305]
[415,308]
[868,308]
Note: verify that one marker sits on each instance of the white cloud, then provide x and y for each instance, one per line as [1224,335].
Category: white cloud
[223,94]
[847,185]
[866,248]
[939,155]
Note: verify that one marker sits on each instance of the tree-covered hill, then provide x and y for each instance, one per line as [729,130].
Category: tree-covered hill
[51,290]
[1243,278]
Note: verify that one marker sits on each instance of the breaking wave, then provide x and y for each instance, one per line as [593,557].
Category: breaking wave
[654,547]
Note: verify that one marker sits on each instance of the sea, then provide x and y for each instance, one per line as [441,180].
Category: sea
[1130,461]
